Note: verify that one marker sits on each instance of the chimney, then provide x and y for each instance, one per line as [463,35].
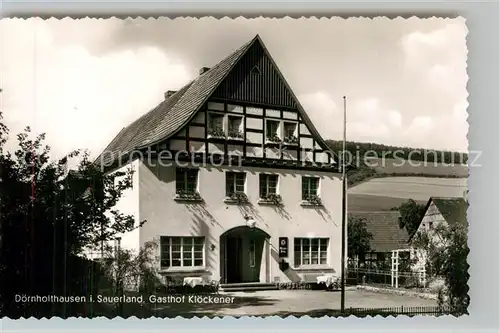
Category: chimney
[203,70]
[169,93]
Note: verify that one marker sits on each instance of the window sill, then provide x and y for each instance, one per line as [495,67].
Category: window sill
[306,203]
[184,270]
[268,202]
[235,201]
[291,144]
[272,143]
[187,199]
[213,137]
[313,268]
[235,138]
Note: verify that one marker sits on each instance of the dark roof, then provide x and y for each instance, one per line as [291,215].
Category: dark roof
[454,210]
[384,227]
[171,115]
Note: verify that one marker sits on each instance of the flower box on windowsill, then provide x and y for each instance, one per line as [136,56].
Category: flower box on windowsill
[215,137]
[313,201]
[272,199]
[273,141]
[291,141]
[216,134]
[270,143]
[236,198]
[188,197]
[235,135]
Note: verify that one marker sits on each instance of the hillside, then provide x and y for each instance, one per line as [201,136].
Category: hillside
[377,183]
[398,153]
[393,161]
[385,193]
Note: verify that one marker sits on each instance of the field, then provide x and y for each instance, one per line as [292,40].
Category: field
[421,168]
[386,193]
[373,203]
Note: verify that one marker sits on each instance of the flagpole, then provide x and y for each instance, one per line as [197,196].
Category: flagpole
[65,237]
[344,213]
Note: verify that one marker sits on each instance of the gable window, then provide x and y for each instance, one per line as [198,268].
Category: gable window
[268,185]
[186,182]
[272,130]
[289,130]
[235,127]
[290,133]
[430,225]
[182,251]
[310,188]
[216,125]
[310,251]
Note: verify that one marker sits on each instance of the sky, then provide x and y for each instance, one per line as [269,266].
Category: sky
[81,81]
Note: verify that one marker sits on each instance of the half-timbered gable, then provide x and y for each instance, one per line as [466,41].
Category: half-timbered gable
[241,107]
[255,79]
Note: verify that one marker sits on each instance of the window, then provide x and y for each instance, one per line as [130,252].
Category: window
[272,129]
[251,253]
[186,180]
[182,251]
[234,126]
[310,187]
[268,185]
[216,122]
[235,183]
[430,225]
[289,130]
[310,251]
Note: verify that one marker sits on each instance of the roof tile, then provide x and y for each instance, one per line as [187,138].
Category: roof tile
[384,227]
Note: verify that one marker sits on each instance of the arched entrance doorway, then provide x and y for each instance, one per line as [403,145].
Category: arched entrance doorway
[244,255]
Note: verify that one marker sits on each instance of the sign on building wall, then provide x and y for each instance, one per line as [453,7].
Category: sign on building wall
[283,247]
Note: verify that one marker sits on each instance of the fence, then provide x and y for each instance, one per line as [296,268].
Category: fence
[383,278]
[395,311]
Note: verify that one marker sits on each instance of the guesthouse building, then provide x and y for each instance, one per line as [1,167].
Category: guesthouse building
[238,185]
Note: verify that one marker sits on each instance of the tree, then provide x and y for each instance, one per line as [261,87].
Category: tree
[48,217]
[445,249]
[358,237]
[411,215]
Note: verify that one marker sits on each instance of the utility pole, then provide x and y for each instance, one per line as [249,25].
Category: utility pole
[344,213]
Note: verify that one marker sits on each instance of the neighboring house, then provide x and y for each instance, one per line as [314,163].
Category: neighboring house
[443,210]
[252,172]
[440,211]
[387,236]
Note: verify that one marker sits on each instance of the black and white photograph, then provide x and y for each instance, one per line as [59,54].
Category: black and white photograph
[233,167]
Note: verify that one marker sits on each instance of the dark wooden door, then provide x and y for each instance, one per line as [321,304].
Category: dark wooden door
[233,253]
